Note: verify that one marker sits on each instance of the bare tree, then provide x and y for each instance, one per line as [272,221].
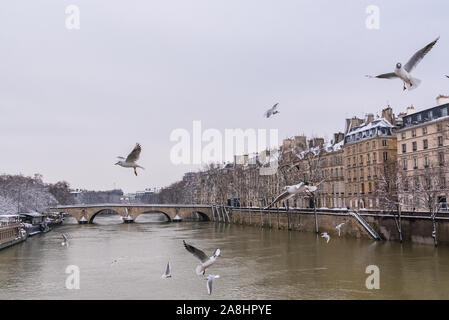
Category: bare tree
[390,182]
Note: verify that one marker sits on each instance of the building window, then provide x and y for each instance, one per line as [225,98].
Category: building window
[385,156]
[367,146]
[403,135]
[443,182]
[414,146]
[404,164]
[374,157]
[404,148]
[361,160]
[374,144]
[426,162]
[384,143]
[440,141]
[441,158]
[413,133]
[415,163]
[439,126]
[424,130]
[425,144]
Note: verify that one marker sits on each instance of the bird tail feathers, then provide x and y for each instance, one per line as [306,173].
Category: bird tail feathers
[414,84]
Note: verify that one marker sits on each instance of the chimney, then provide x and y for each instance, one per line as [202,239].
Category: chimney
[338,137]
[369,118]
[410,110]
[441,99]
[387,113]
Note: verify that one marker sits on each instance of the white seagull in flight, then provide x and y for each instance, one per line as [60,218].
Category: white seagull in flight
[200,255]
[325,235]
[272,111]
[65,243]
[167,273]
[338,227]
[210,280]
[292,191]
[130,161]
[403,72]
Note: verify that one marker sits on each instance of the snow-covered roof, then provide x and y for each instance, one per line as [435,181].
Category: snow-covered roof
[376,127]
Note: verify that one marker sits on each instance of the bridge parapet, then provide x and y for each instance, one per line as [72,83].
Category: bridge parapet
[130,212]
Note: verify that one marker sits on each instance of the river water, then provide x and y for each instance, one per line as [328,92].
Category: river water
[126,261]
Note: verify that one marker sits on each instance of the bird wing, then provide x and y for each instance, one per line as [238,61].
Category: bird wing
[267,113]
[121,158]
[134,155]
[280,197]
[419,55]
[274,107]
[217,253]
[64,237]
[447,76]
[167,271]
[196,252]
[390,75]
[210,281]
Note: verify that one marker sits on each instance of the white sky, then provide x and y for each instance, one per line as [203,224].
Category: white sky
[73,100]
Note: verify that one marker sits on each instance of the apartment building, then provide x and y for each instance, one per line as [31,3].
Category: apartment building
[369,148]
[423,146]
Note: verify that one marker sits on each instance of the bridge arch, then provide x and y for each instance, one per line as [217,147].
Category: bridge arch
[102,210]
[135,216]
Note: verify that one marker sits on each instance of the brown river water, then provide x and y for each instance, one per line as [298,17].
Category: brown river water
[126,261]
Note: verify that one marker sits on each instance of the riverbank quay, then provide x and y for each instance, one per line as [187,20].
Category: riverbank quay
[11,231]
[416,227]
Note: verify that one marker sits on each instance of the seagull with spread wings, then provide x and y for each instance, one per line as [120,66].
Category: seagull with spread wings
[204,259]
[403,72]
[130,161]
[338,227]
[272,111]
[326,236]
[292,191]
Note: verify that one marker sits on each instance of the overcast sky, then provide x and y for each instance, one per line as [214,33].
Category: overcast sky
[73,100]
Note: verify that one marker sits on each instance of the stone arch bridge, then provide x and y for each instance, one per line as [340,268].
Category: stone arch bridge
[129,212]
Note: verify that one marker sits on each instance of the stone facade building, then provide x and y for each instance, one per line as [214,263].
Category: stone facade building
[369,149]
[423,146]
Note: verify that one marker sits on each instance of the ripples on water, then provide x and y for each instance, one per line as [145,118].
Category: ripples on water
[255,264]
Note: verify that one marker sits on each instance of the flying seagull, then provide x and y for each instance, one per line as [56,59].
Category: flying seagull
[403,72]
[325,235]
[292,191]
[65,243]
[205,260]
[167,273]
[447,76]
[210,281]
[338,227]
[130,161]
[272,111]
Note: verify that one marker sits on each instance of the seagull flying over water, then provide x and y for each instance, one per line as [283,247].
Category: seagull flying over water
[205,260]
[210,280]
[167,273]
[130,161]
[272,111]
[403,72]
[292,191]
[65,243]
[325,235]
[338,227]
